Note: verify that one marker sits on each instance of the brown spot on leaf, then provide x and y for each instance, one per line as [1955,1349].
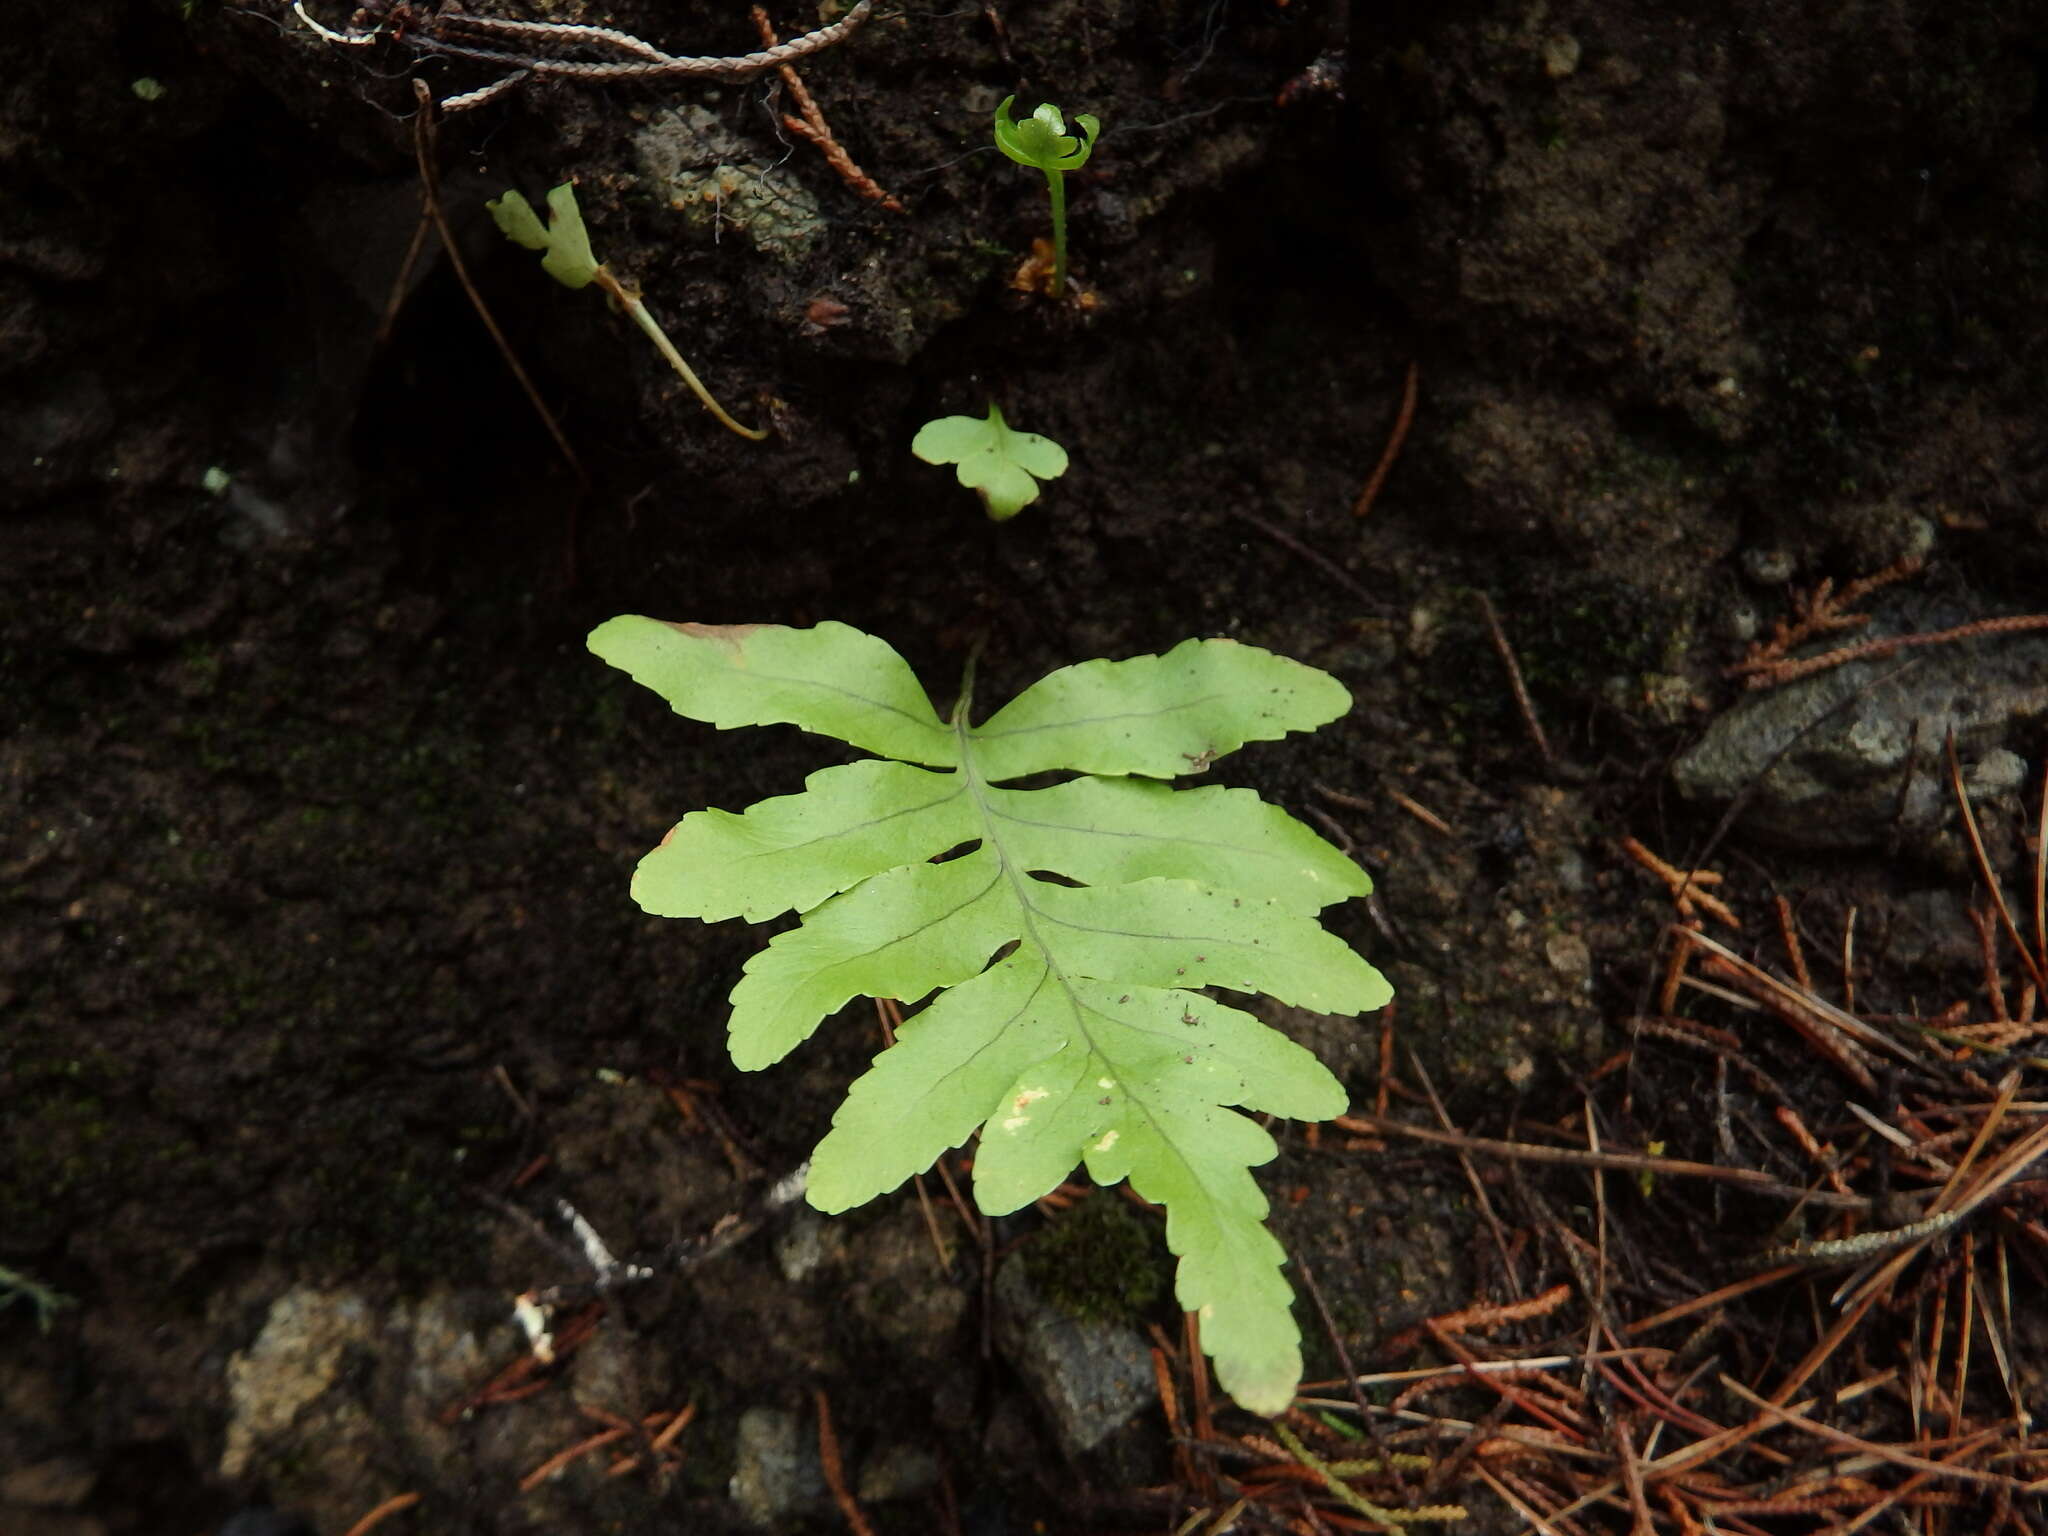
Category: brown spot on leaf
[732,636]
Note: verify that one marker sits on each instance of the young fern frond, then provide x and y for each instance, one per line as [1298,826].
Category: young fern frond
[998,463]
[568,259]
[1042,142]
[1069,1026]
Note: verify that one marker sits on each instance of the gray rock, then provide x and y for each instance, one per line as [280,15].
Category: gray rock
[1090,1377]
[898,1472]
[776,1473]
[716,179]
[1863,763]
[1998,772]
[291,1363]
[333,1374]
[801,1248]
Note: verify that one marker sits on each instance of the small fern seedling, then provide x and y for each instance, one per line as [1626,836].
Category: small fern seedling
[997,462]
[1069,946]
[568,259]
[1042,142]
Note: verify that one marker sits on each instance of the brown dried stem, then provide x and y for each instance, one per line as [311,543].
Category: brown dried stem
[1403,419]
[1876,650]
[1820,611]
[383,1512]
[811,126]
[1523,706]
[835,1470]
[1684,885]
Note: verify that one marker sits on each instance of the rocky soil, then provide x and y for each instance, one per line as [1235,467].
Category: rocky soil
[316,817]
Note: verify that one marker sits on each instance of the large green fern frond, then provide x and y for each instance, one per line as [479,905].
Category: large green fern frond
[1069,945]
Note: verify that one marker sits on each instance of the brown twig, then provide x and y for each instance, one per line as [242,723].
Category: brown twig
[1632,1478]
[430,188]
[1517,1494]
[1820,611]
[1842,1037]
[697,1112]
[1849,961]
[1984,872]
[1198,1375]
[1628,1162]
[562,1459]
[1509,1390]
[1822,1158]
[811,127]
[1507,656]
[1771,672]
[383,1512]
[1365,1419]
[1643,1453]
[1422,813]
[522,1379]
[889,1016]
[1481,1317]
[1684,885]
[1402,421]
[1877,650]
[401,281]
[835,1470]
[1788,934]
[662,1445]
[1169,1407]
[1674,966]
[1316,558]
[1479,1195]
[983,1231]
[1891,1453]
[2041,874]
[682,1421]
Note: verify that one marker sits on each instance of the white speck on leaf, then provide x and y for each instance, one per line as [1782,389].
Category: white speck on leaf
[1022,1104]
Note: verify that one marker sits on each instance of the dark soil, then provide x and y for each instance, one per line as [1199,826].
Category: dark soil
[316,816]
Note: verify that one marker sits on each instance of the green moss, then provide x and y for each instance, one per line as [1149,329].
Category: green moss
[1101,1262]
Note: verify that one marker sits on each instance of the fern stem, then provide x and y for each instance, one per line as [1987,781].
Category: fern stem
[630,302]
[1058,184]
[966,700]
